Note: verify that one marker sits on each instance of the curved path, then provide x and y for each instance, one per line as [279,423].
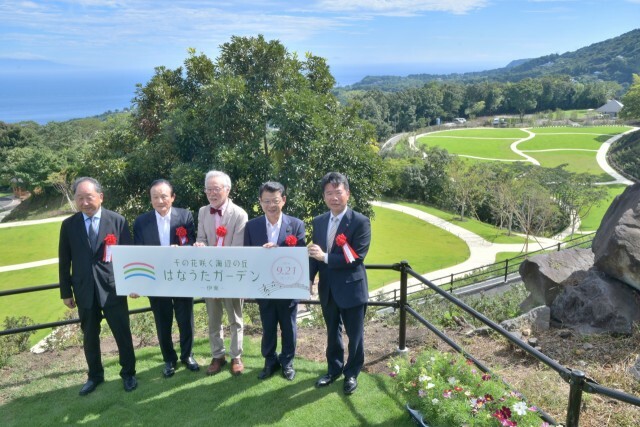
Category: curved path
[482,252]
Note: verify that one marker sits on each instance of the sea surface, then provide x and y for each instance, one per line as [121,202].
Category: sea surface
[61,95]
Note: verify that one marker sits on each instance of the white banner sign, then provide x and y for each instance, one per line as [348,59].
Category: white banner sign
[227,272]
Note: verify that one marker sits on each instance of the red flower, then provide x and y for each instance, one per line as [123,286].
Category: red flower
[341,239]
[181,232]
[221,231]
[291,240]
[110,239]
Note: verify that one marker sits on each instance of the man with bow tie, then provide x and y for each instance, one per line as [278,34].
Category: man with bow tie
[221,223]
[271,230]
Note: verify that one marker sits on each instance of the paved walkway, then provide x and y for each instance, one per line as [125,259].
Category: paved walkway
[482,252]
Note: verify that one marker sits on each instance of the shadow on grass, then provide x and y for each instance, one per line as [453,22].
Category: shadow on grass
[193,398]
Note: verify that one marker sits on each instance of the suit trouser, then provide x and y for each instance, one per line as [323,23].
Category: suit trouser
[117,316]
[233,306]
[353,321]
[273,313]
[163,309]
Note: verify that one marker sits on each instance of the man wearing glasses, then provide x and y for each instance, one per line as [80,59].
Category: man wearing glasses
[221,223]
[270,231]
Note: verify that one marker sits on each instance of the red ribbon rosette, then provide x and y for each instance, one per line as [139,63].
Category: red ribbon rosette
[221,232]
[349,254]
[291,240]
[109,241]
[181,232]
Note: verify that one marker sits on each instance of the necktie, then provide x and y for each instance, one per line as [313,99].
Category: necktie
[215,211]
[333,227]
[93,236]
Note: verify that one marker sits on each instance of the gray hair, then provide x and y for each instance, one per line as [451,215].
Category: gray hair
[218,174]
[82,179]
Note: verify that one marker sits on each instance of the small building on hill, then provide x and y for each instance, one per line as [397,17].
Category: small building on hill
[612,108]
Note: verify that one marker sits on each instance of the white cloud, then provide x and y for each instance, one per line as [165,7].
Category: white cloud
[402,7]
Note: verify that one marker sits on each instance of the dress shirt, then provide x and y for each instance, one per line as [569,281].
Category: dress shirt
[218,218]
[339,216]
[273,230]
[164,228]
[96,223]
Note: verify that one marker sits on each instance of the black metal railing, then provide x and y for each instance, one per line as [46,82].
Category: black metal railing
[577,380]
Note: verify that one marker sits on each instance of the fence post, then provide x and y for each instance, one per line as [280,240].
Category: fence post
[402,334]
[506,269]
[575,398]
[451,284]
[559,244]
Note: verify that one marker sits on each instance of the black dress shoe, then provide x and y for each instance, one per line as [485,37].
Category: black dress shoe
[289,373]
[350,385]
[326,380]
[169,369]
[130,383]
[267,371]
[89,386]
[191,364]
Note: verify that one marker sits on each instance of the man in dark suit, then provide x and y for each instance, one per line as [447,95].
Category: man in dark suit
[269,231]
[87,281]
[341,239]
[166,225]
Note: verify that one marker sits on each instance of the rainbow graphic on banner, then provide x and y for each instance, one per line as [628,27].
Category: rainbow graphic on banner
[139,269]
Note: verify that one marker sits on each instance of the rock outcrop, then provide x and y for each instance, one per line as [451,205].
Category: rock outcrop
[598,289]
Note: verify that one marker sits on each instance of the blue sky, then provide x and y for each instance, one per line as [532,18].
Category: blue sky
[356,36]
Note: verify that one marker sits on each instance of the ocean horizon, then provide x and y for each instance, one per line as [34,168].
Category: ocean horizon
[62,95]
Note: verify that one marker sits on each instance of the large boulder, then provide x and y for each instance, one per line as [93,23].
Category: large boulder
[545,275]
[597,304]
[616,246]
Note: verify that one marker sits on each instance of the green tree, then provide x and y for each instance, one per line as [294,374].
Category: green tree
[523,96]
[257,113]
[631,100]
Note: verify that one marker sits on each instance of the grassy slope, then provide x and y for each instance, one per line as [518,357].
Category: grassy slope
[486,231]
[397,237]
[29,243]
[591,222]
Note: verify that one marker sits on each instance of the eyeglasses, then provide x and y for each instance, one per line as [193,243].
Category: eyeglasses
[271,202]
[213,190]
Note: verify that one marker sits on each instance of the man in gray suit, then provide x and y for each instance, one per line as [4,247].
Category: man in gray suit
[221,223]
[167,225]
[87,281]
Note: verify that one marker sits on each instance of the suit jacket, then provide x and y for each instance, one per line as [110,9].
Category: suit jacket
[347,282]
[234,219]
[145,228]
[81,272]
[255,234]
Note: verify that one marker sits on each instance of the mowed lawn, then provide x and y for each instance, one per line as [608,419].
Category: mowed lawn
[49,396]
[486,143]
[576,161]
[564,141]
[29,243]
[605,130]
[397,237]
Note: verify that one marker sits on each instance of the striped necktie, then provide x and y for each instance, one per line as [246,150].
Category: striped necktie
[332,233]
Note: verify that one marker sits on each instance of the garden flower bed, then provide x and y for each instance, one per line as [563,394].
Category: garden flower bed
[449,390]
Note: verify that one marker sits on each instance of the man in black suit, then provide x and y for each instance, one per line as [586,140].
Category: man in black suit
[272,230]
[86,280]
[341,239]
[166,225]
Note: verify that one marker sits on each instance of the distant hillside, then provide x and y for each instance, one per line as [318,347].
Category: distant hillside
[611,60]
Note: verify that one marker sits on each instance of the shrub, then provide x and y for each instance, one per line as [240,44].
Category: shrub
[14,343]
[143,326]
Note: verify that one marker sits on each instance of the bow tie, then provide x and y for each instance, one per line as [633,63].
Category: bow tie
[215,211]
